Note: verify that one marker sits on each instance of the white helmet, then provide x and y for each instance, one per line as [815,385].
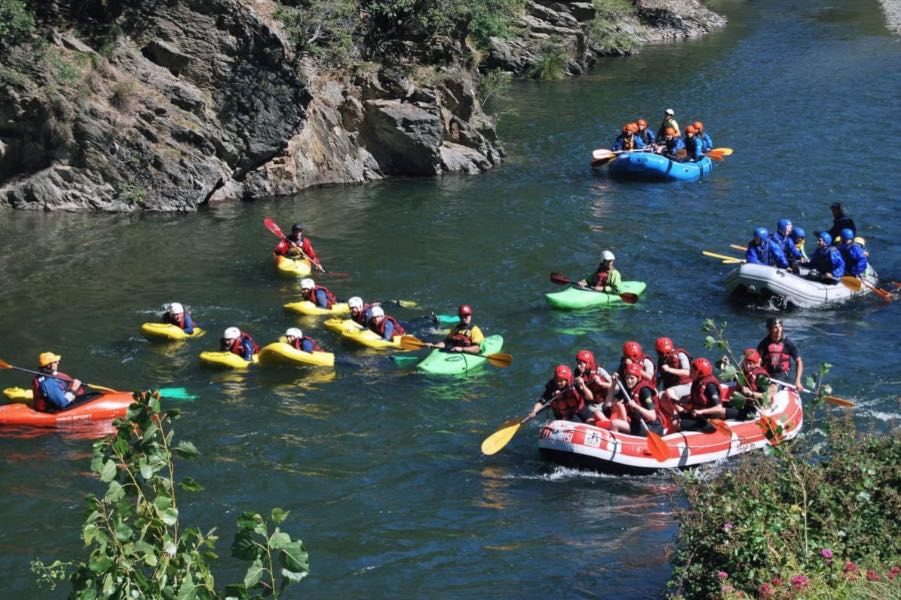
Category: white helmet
[377,311]
[232,333]
[355,302]
[176,309]
[294,332]
[607,255]
[307,284]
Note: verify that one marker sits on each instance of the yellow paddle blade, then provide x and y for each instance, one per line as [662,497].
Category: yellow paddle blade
[718,255]
[733,261]
[658,448]
[838,401]
[411,342]
[500,359]
[852,283]
[500,438]
[407,303]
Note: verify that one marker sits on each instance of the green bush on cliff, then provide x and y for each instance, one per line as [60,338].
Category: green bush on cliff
[16,21]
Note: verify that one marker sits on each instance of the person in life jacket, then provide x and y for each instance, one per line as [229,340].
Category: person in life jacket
[633,353]
[646,135]
[840,221]
[764,251]
[826,264]
[178,316]
[297,340]
[605,278]
[706,141]
[669,121]
[692,142]
[853,254]
[703,401]
[297,245]
[628,139]
[359,312]
[751,385]
[672,146]
[53,390]
[640,404]
[798,236]
[238,342]
[319,295]
[385,325]
[566,399]
[782,238]
[777,353]
[463,337]
[594,376]
[673,373]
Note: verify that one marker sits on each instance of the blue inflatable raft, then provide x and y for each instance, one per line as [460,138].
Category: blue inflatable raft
[654,167]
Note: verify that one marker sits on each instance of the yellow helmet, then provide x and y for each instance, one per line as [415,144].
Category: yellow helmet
[47,358]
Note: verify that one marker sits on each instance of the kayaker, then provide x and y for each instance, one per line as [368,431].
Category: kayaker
[238,342]
[567,401]
[646,135]
[464,336]
[764,251]
[359,312]
[640,405]
[606,278]
[299,341]
[693,144]
[703,401]
[826,264]
[633,353]
[853,254]
[178,316]
[673,373]
[777,352]
[319,295]
[385,325]
[706,141]
[840,221]
[782,238]
[297,245]
[798,236]
[53,390]
[751,370]
[672,147]
[595,377]
[669,121]
[628,139]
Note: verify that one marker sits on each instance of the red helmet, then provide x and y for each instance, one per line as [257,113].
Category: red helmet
[632,350]
[586,357]
[751,355]
[634,369]
[702,366]
[563,372]
[663,345]
[464,310]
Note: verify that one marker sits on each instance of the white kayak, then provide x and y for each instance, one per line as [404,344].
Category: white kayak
[787,289]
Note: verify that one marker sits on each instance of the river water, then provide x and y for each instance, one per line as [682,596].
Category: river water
[379,465]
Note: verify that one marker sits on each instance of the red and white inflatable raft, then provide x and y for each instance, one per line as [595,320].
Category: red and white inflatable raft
[585,446]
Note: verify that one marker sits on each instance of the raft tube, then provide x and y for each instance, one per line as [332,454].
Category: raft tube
[790,290]
[227,359]
[439,362]
[656,167]
[305,307]
[281,353]
[292,267]
[574,297]
[167,331]
[102,406]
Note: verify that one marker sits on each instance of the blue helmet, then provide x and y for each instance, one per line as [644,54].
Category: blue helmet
[798,234]
[847,234]
[782,225]
[761,233]
[824,235]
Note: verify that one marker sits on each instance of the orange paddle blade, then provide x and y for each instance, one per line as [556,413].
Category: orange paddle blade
[658,448]
[411,342]
[721,426]
[852,283]
[499,359]
[5,365]
[838,401]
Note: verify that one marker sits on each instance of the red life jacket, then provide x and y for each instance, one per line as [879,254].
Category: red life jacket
[171,319]
[330,299]
[380,328]
[460,335]
[636,396]
[600,278]
[622,368]
[698,397]
[752,377]
[776,360]
[237,347]
[40,402]
[567,403]
[592,379]
[361,316]
[297,344]
[672,359]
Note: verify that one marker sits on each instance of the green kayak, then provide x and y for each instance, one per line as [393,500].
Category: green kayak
[455,363]
[575,297]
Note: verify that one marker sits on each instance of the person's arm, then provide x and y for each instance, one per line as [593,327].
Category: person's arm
[639,143]
[389,331]
[189,324]
[54,390]
[751,254]
[614,281]
[321,298]
[646,396]
[582,388]
[778,256]
[799,364]
[247,346]
[684,366]
[477,337]
[307,346]
[716,409]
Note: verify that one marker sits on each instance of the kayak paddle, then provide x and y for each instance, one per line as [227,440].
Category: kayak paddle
[495,442]
[720,256]
[737,247]
[656,446]
[561,279]
[276,230]
[498,359]
[830,399]
[854,283]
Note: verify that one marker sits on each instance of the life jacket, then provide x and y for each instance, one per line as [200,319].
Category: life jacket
[628,142]
[600,278]
[776,360]
[330,299]
[171,319]
[644,359]
[380,328]
[752,377]
[698,397]
[460,335]
[40,401]
[567,403]
[636,396]
[237,346]
[288,246]
[672,359]
[297,344]
[592,377]
[363,317]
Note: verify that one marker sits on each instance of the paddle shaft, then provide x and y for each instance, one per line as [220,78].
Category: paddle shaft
[561,279]
[24,370]
[831,399]
[277,231]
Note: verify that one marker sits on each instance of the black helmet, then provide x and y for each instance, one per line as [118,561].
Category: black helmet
[296,227]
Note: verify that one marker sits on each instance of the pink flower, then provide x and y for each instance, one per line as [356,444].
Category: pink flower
[799,582]
[850,567]
[826,553]
[722,574]
[776,582]
[873,575]
[726,589]
[727,526]
[765,591]
[893,572]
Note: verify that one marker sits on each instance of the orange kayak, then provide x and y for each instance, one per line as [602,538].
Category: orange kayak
[102,407]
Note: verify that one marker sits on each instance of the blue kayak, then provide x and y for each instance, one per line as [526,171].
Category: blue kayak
[654,167]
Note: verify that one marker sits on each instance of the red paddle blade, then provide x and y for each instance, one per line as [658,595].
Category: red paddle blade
[658,448]
[560,279]
[271,226]
[628,297]
[721,426]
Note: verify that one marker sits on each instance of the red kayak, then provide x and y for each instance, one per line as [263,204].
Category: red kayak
[104,406]
[586,446]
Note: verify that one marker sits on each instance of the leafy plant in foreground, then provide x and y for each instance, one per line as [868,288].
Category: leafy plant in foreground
[139,549]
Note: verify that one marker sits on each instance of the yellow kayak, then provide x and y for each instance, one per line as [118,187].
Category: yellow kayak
[305,307]
[280,353]
[368,338]
[292,267]
[227,359]
[167,331]
[17,394]
[339,325]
